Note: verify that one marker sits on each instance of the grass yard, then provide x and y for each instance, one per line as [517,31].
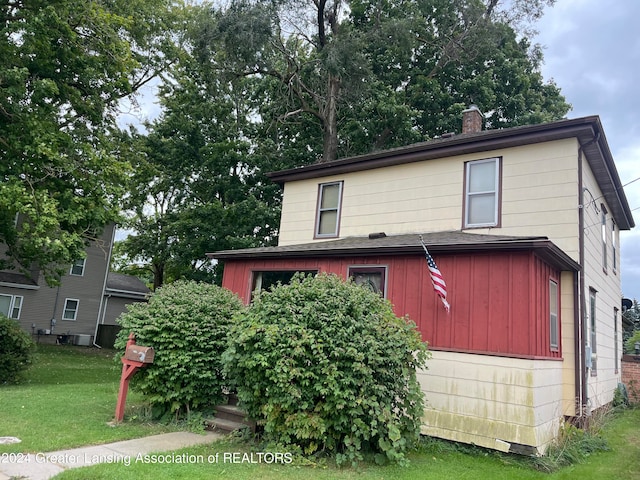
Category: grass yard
[68,399]
[436,461]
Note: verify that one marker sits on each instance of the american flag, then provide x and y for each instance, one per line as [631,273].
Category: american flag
[437,279]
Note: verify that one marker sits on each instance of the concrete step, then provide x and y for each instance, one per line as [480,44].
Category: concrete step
[234,414]
[224,426]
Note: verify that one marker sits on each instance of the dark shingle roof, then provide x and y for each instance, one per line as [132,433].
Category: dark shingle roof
[117,282]
[406,244]
[17,278]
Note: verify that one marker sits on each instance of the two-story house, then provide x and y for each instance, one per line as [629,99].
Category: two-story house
[523,224]
[88,297]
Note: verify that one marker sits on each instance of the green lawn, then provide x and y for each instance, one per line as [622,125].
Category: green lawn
[68,400]
[622,461]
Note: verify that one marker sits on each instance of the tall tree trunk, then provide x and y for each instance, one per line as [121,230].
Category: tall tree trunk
[330,121]
[158,275]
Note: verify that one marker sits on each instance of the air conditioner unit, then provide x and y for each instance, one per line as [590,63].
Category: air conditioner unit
[82,340]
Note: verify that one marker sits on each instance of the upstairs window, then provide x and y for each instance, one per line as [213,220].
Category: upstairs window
[614,261]
[78,267]
[70,311]
[482,193]
[603,223]
[328,212]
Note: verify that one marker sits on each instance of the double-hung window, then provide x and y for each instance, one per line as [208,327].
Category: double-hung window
[70,311]
[482,193]
[78,267]
[614,262]
[328,212]
[11,306]
[603,223]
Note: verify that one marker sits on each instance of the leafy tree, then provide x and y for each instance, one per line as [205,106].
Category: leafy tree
[439,57]
[187,323]
[631,324]
[325,365]
[382,74]
[65,67]
[196,187]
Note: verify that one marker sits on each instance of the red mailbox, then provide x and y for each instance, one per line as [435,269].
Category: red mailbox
[135,356]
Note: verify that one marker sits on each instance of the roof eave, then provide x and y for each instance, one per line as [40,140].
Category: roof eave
[544,248]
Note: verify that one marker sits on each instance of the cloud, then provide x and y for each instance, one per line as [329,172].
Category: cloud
[592,51]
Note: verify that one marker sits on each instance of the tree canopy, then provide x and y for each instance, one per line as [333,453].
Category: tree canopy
[250,87]
[64,67]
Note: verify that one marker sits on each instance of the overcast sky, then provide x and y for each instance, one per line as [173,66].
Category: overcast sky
[592,52]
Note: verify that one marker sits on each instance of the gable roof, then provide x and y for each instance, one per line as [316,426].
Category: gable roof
[121,285]
[587,130]
[408,244]
[17,280]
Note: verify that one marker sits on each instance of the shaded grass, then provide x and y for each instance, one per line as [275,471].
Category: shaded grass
[67,400]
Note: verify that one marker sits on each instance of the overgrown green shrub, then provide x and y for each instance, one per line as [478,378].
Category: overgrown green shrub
[325,365]
[16,348]
[630,344]
[187,325]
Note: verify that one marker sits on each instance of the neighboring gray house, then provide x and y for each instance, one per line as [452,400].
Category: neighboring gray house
[87,297]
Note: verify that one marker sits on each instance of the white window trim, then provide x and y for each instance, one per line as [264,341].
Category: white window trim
[77,263]
[75,312]
[468,194]
[319,210]
[12,305]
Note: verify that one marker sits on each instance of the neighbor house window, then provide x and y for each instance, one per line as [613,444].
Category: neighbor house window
[70,311]
[11,306]
[328,212]
[616,351]
[592,315]
[265,280]
[370,277]
[553,316]
[482,193]
[78,267]
[614,262]
[603,222]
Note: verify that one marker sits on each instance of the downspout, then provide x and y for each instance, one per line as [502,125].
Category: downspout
[582,392]
[104,287]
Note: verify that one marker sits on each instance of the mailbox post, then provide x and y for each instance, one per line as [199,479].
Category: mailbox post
[135,357]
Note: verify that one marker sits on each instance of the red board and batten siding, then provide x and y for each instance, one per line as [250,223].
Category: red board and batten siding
[499,301]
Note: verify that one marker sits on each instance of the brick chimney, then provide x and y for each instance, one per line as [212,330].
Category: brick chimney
[472,120]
